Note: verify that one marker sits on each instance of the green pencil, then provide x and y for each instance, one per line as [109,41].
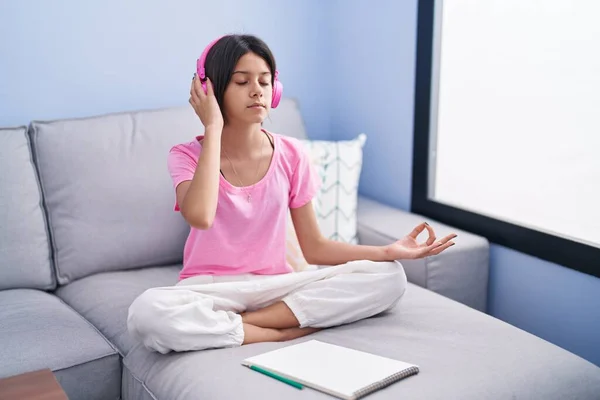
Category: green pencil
[275,376]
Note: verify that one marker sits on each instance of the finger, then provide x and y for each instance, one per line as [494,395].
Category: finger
[193,82]
[448,238]
[209,87]
[417,230]
[198,89]
[428,249]
[431,237]
[440,242]
[194,90]
[441,248]
[194,97]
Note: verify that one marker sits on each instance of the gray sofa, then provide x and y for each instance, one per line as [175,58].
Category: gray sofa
[86,225]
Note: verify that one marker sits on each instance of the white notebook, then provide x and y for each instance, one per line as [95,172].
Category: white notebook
[339,371]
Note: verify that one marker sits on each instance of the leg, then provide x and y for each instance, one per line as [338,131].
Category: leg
[364,290]
[195,318]
[259,324]
[179,319]
[277,315]
[256,334]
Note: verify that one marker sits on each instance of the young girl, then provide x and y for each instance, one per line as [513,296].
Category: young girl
[234,186]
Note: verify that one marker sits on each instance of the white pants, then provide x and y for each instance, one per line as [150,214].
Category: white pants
[203,312]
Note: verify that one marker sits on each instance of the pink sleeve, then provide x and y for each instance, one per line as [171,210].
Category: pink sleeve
[305,182]
[182,165]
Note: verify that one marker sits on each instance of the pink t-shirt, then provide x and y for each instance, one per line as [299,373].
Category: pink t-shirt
[246,237]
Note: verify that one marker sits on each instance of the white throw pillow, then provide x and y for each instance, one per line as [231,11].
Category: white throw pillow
[339,165]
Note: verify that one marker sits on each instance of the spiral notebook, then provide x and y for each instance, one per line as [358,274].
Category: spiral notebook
[339,371]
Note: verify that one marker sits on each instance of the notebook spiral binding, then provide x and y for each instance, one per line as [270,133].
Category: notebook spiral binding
[386,382]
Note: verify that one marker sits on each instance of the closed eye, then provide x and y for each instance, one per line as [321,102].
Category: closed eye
[261,83]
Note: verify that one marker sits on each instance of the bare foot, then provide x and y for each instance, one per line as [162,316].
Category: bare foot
[256,334]
[295,333]
[277,315]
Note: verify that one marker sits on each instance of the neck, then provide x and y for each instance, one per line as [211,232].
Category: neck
[239,140]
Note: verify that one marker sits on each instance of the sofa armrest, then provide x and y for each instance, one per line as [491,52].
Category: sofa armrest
[460,272]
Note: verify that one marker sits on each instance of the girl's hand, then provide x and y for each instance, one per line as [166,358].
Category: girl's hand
[205,104]
[409,248]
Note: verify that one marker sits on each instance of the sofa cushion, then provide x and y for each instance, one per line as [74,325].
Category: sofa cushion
[37,331]
[108,192]
[338,164]
[24,245]
[462,354]
[104,299]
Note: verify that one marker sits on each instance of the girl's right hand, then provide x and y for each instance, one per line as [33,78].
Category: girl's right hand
[205,104]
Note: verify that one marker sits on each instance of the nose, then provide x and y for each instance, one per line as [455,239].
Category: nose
[256,90]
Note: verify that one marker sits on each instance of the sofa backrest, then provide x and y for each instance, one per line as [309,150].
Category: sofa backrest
[107,192]
[25,260]
[286,119]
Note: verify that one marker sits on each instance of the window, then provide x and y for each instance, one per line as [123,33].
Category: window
[507,124]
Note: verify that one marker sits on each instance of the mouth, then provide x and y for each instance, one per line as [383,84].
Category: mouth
[256,105]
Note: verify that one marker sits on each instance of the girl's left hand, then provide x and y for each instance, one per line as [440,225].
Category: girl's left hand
[409,248]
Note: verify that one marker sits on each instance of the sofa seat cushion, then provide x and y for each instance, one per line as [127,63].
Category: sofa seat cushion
[37,331]
[104,299]
[462,354]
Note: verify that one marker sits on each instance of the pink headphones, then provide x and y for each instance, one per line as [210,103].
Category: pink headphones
[277,86]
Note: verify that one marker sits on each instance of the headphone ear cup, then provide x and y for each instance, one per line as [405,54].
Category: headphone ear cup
[277,93]
[200,74]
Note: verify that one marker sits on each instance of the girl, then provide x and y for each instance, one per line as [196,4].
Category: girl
[234,186]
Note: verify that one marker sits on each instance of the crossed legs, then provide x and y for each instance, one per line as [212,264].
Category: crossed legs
[274,323]
[201,316]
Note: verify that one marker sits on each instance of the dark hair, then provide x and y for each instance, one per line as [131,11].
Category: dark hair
[225,54]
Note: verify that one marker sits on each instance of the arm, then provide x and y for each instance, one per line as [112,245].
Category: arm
[197,198]
[318,250]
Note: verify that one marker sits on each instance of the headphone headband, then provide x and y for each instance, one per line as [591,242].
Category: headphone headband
[202,60]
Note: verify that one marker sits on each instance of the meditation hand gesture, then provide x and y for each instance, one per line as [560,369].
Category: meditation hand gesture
[409,248]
